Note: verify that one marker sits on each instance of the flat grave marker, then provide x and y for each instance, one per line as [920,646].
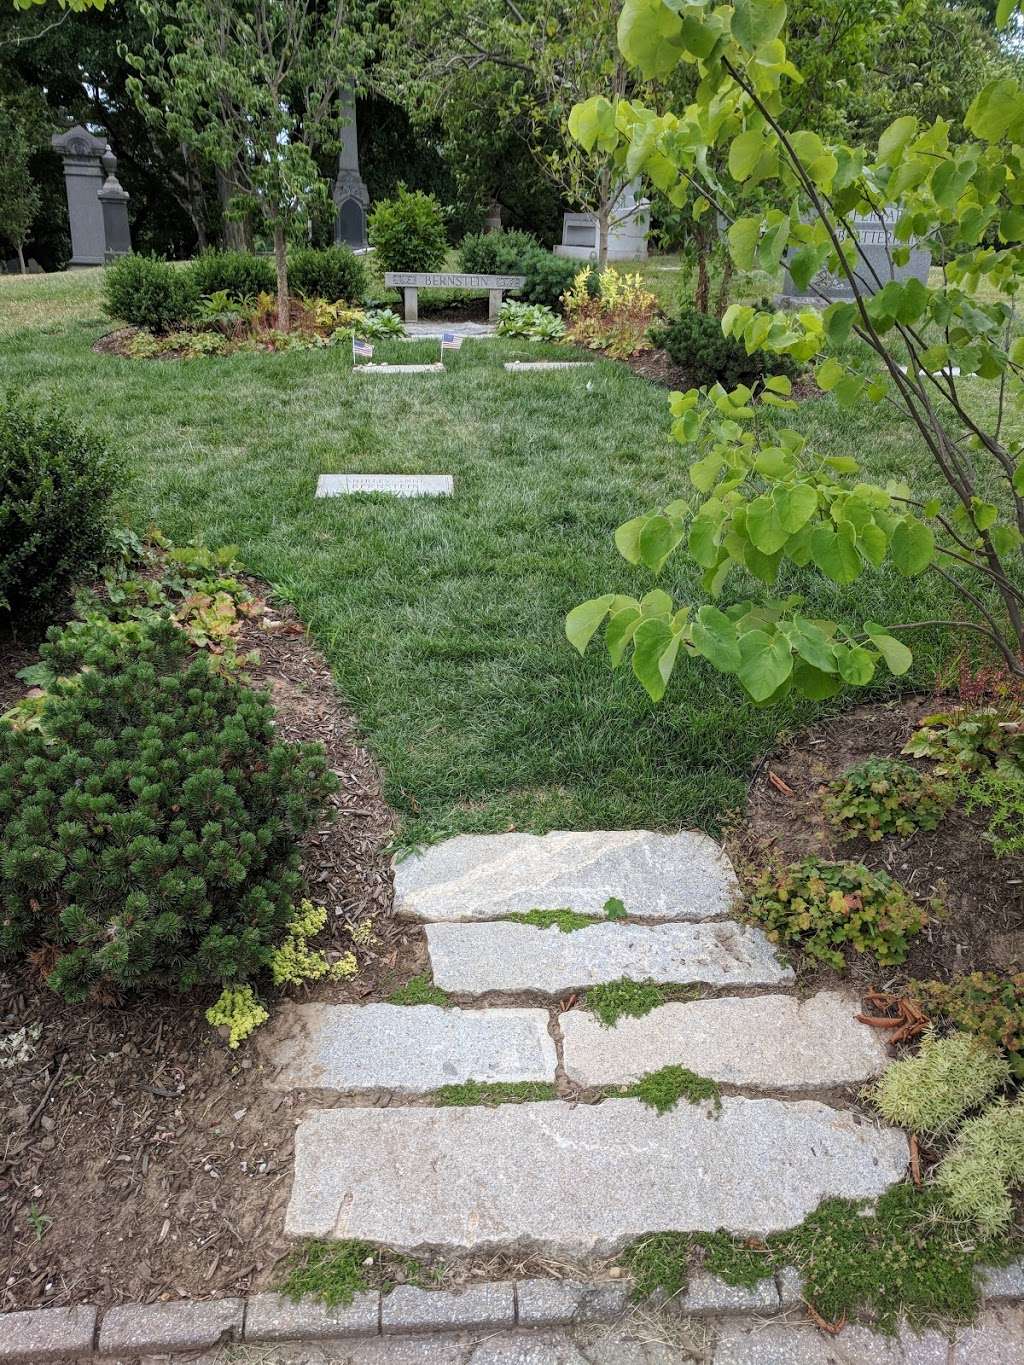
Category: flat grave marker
[399,485]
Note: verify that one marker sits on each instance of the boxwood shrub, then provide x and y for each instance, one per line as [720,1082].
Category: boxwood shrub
[56,483]
[149,828]
[408,232]
[147,292]
[332,273]
[696,343]
[239,273]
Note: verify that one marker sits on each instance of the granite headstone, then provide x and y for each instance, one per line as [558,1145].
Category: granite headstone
[874,268]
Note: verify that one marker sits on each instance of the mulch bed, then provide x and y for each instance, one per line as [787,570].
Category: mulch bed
[658,367]
[139,1157]
[978,924]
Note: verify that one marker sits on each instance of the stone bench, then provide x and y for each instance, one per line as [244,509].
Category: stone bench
[411,282]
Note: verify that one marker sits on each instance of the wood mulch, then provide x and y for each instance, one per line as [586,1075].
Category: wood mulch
[139,1158]
[978,920]
[658,367]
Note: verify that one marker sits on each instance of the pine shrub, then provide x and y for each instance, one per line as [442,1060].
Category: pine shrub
[408,232]
[333,273]
[238,273]
[931,1092]
[56,483]
[147,292]
[149,827]
[696,343]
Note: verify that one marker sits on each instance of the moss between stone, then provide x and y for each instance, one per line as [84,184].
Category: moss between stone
[663,1089]
[495,1092]
[909,1259]
[335,1272]
[566,920]
[419,991]
[614,999]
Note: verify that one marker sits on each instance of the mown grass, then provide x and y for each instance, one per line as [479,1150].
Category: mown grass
[443,619]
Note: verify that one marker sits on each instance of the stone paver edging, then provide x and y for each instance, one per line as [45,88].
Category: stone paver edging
[745,1325]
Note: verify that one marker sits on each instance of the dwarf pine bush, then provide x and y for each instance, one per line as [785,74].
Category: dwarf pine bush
[985,1163]
[149,824]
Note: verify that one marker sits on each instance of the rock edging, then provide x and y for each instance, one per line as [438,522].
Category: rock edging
[34,1336]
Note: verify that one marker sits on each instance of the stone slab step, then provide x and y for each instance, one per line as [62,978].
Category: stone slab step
[474,958]
[484,876]
[769,1042]
[578,1178]
[408,1047]
[517,366]
[436,368]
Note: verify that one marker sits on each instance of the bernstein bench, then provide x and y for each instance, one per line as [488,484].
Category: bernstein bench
[411,282]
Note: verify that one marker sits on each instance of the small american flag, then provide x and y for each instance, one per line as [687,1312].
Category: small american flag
[450,342]
[361,347]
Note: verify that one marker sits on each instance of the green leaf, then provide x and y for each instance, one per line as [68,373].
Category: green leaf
[583,620]
[658,539]
[796,506]
[812,644]
[838,319]
[757,21]
[779,383]
[703,542]
[704,473]
[655,646]
[744,153]
[828,374]
[813,683]
[856,665]
[620,632]
[835,553]
[656,603]
[895,138]
[764,525]
[765,663]
[995,109]
[743,239]
[627,538]
[913,546]
[714,636]
[650,37]
[897,656]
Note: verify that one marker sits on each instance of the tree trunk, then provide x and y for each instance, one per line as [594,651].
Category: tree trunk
[237,231]
[281,261]
[21,259]
[722,301]
[603,216]
[700,296]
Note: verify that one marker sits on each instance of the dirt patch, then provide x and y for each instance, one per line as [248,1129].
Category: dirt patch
[139,1158]
[979,922]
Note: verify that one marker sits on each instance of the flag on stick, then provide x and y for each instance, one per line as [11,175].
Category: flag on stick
[449,342]
[361,347]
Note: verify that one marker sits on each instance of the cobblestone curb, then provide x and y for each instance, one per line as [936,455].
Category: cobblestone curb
[133,1330]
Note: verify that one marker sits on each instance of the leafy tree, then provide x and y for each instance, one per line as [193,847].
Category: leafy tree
[254,87]
[530,63]
[19,194]
[763,498]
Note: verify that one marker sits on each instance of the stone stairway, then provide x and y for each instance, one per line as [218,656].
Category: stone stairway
[557,1175]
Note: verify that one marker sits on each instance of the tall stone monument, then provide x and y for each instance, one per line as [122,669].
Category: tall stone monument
[97,205]
[351,197]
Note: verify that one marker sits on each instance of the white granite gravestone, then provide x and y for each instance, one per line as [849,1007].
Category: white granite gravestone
[399,485]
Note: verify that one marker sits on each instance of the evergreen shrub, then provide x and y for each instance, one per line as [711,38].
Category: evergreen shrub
[56,484]
[149,823]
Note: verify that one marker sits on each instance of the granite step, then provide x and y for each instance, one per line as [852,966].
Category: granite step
[407,1047]
[765,1042]
[475,958]
[684,876]
[513,1176]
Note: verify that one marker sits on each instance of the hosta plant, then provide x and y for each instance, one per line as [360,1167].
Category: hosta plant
[762,498]
[826,909]
[531,321]
[884,796]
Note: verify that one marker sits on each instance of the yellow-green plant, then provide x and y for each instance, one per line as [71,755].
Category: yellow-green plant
[932,1091]
[984,1165]
[237,1010]
[294,961]
[616,319]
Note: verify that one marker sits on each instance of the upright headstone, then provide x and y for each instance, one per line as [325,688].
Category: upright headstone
[627,235]
[492,223]
[83,180]
[351,197]
[113,198]
[873,269]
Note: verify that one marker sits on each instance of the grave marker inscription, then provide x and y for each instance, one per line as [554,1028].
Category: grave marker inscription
[874,269]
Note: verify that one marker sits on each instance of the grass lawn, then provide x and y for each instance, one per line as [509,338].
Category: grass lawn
[443,618]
